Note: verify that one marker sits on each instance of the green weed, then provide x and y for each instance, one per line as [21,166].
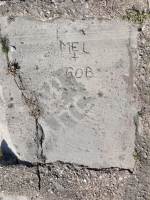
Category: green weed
[137,157]
[140,113]
[3,42]
[136,16]
[41,158]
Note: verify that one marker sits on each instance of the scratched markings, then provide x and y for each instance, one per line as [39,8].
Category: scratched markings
[74,51]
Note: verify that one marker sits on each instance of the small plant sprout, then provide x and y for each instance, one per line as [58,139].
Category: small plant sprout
[137,157]
[4,45]
[140,113]
[13,68]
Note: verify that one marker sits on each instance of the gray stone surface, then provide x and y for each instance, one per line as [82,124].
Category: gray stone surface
[81,76]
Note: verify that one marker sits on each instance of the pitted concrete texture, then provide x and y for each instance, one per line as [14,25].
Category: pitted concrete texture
[13,197]
[80,74]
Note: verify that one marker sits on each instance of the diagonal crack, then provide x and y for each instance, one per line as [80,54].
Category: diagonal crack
[39,131]
[32,103]
[35,112]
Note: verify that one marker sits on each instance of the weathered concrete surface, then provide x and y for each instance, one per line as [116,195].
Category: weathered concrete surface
[81,77]
[13,197]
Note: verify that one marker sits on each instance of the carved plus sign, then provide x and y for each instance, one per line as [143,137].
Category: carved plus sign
[75,56]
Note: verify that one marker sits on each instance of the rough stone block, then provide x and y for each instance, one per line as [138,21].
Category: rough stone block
[81,74]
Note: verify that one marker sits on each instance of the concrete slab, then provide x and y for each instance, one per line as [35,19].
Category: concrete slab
[81,74]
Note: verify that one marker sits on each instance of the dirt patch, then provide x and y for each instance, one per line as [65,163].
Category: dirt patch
[74,9]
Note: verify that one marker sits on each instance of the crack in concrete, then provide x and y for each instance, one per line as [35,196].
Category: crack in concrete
[41,158]
[34,109]
[33,112]
[39,177]
[41,137]
[30,105]
[39,131]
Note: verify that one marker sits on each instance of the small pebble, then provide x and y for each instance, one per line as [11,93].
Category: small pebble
[13,48]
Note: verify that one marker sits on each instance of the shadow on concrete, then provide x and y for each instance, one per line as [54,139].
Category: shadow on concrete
[9,158]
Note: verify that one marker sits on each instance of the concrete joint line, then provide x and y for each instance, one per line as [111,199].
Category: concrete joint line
[39,177]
